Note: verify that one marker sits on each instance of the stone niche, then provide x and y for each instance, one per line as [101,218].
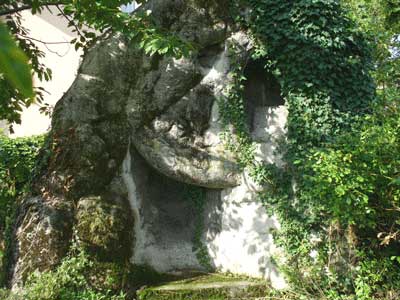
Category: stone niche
[237,230]
[165,226]
[265,110]
[262,93]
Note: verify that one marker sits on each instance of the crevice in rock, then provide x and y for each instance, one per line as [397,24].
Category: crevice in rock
[261,90]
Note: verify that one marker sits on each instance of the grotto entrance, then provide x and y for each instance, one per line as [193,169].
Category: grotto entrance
[261,91]
[232,225]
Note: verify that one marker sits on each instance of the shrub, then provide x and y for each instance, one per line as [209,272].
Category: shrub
[356,181]
[17,161]
[69,281]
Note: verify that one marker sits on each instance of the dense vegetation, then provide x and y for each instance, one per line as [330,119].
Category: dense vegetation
[69,281]
[17,162]
[338,197]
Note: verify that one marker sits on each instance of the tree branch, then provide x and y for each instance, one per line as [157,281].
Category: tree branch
[70,21]
[25,7]
[40,41]
[14,10]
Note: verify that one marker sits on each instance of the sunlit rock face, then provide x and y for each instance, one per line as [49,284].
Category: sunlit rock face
[136,132]
[238,234]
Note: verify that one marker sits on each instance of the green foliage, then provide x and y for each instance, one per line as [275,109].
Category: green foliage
[377,278]
[205,294]
[68,282]
[139,27]
[102,229]
[103,16]
[206,287]
[233,112]
[196,196]
[380,20]
[80,276]
[11,99]
[321,62]
[17,162]
[357,177]
[337,196]
[4,294]
[14,64]
[354,182]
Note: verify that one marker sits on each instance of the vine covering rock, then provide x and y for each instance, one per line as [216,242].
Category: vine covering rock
[323,64]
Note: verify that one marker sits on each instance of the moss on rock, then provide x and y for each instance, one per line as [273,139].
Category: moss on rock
[206,287]
[103,228]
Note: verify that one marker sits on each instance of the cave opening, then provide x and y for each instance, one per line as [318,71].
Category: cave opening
[261,89]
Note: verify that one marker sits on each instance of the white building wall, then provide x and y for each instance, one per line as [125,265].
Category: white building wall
[62,59]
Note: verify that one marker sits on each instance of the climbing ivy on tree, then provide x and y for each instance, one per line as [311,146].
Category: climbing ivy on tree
[337,196]
[334,193]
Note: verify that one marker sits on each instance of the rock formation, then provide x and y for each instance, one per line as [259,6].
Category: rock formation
[133,134]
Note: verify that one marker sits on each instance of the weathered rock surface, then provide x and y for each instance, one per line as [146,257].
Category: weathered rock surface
[42,236]
[134,132]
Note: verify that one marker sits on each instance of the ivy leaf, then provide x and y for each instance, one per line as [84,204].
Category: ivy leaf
[14,64]
[396,181]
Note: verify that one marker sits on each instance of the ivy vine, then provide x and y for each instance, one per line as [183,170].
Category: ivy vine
[323,65]
[196,197]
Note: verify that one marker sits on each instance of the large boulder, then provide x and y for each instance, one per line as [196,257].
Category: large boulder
[133,133]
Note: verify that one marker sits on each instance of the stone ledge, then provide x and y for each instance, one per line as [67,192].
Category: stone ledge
[207,287]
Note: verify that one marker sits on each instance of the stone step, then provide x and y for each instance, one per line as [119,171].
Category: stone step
[207,287]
